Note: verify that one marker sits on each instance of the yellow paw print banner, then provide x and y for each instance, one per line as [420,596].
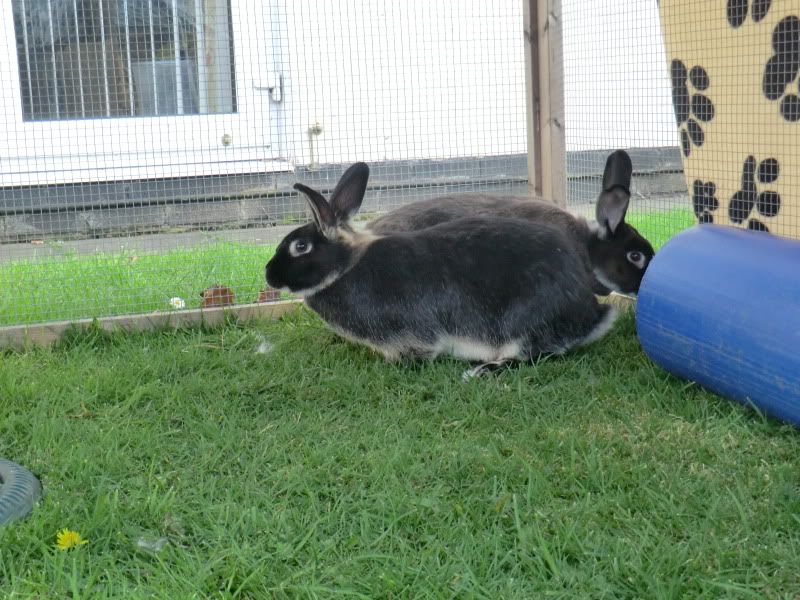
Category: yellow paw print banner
[735,72]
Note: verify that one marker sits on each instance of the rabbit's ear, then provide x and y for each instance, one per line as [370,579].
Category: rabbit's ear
[618,171]
[324,216]
[613,201]
[349,192]
[611,208]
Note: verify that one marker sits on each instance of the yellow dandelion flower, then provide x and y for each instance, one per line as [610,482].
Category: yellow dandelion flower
[66,539]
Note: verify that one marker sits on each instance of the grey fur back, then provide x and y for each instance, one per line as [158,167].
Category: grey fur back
[483,288]
[421,215]
[489,280]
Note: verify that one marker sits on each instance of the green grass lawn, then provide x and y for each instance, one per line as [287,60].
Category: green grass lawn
[75,287]
[317,470]
[660,226]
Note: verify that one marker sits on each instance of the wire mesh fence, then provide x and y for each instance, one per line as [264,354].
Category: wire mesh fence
[734,70]
[617,95]
[151,145]
[705,96]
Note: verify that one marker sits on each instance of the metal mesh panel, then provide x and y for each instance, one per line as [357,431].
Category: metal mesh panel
[151,145]
[705,97]
[617,95]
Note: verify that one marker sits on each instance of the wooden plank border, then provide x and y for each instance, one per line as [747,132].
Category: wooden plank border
[21,337]
[544,85]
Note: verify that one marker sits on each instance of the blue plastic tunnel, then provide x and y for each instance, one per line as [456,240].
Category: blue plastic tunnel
[721,306]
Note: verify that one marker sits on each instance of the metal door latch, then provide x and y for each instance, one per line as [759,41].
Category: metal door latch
[274,84]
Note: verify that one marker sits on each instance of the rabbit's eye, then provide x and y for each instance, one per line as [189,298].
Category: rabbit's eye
[299,247]
[637,258]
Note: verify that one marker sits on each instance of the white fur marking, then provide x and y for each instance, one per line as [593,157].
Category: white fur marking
[390,352]
[355,237]
[596,229]
[459,347]
[317,288]
[469,349]
[602,328]
[601,277]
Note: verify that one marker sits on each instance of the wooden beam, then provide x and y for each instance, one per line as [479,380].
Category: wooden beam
[544,84]
[530,23]
[21,337]
[551,70]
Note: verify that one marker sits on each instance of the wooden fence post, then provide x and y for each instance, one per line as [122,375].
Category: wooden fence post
[544,83]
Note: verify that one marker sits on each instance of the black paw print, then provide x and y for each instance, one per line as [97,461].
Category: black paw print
[690,108]
[782,68]
[767,203]
[737,11]
[704,201]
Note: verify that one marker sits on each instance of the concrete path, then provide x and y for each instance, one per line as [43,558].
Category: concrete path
[266,235]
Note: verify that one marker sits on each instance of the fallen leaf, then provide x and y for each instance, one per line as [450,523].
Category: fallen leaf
[268,295]
[217,295]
